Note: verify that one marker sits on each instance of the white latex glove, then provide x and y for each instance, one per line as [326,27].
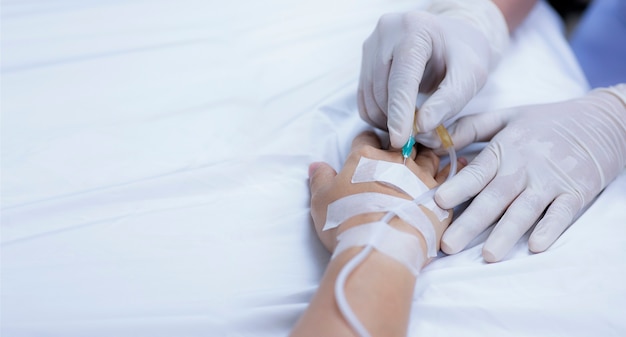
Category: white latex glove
[556,156]
[450,48]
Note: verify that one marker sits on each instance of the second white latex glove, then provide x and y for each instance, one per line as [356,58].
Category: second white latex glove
[556,156]
[447,51]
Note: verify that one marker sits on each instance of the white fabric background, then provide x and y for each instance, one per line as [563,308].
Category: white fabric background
[154,174]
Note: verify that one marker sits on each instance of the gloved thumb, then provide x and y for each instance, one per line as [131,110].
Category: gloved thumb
[479,128]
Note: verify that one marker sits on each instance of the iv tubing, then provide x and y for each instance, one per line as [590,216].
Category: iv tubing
[347,269]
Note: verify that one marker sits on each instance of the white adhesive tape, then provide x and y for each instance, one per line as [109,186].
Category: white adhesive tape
[440,213]
[347,207]
[410,212]
[352,205]
[402,247]
[398,176]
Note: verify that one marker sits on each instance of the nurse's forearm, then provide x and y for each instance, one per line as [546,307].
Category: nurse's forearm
[514,11]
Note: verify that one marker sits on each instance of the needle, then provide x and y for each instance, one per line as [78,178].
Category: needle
[408,147]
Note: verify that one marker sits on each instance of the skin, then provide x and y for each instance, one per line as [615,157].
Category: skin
[380,290]
[514,12]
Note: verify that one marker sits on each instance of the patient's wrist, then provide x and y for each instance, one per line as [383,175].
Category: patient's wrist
[380,291]
[395,223]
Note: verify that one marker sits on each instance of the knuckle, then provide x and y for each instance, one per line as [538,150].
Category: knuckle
[532,201]
[561,211]
[571,205]
[474,131]
[365,47]
[420,24]
[491,195]
[416,19]
[367,151]
[386,21]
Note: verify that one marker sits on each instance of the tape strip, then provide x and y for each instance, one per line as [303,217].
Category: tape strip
[402,247]
[398,176]
[347,207]
[439,212]
[411,213]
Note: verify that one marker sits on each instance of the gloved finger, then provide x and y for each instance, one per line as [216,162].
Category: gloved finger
[470,180]
[448,100]
[484,210]
[518,218]
[375,113]
[380,79]
[366,138]
[556,220]
[320,174]
[360,101]
[405,75]
[369,111]
[478,128]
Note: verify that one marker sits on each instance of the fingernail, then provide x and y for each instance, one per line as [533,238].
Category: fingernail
[463,161]
[494,248]
[537,244]
[449,244]
[442,197]
[313,167]
[489,256]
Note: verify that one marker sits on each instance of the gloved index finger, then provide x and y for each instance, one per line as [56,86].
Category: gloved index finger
[470,180]
[407,69]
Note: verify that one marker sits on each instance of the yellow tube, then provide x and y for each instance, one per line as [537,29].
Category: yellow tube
[443,134]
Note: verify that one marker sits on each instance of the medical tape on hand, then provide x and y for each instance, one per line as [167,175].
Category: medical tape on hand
[400,246]
[398,176]
[440,213]
[356,204]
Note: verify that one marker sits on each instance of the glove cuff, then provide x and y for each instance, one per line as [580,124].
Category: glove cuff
[610,106]
[482,14]
[618,91]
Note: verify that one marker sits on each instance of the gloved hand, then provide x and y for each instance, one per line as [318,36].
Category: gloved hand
[450,48]
[556,156]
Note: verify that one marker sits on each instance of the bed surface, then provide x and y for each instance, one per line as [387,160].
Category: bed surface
[154,174]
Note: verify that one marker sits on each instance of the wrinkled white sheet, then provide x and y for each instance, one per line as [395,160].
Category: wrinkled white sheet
[154,174]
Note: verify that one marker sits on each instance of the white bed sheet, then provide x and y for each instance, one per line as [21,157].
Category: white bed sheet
[154,174]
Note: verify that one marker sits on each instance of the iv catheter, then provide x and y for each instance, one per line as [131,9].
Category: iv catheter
[347,269]
[408,147]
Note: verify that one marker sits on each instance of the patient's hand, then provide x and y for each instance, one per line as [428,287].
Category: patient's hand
[380,290]
[328,186]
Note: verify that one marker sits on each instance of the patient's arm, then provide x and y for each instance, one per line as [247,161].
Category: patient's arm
[380,289]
